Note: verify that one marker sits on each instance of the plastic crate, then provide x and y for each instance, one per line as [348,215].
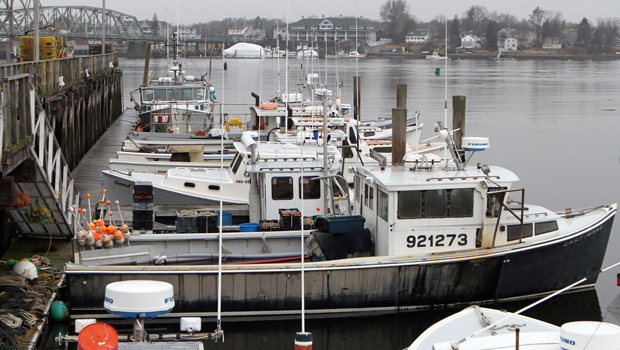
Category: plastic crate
[207,224]
[181,229]
[142,215]
[142,206]
[187,221]
[26,41]
[47,42]
[341,224]
[290,219]
[269,225]
[142,225]
[143,192]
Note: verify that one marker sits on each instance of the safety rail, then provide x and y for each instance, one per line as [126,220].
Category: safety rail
[73,71]
[50,186]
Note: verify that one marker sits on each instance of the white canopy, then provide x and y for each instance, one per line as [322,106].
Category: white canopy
[245,50]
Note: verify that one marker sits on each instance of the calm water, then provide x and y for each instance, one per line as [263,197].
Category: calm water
[553,123]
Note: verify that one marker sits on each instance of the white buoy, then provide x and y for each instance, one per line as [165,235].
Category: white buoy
[28,270]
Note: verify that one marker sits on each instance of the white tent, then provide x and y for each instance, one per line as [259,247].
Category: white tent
[304,54]
[244,50]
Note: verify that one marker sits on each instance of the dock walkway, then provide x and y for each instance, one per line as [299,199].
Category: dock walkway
[87,174]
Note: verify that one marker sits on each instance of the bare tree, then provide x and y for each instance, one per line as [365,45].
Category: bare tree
[396,15]
[537,17]
[474,18]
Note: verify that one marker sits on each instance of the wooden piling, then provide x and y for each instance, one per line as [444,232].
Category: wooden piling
[146,63]
[399,125]
[401,96]
[458,119]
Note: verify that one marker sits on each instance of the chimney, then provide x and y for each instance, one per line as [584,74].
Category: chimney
[340,16]
[361,17]
[323,16]
[303,17]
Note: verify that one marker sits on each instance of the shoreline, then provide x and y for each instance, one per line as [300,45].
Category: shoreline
[505,56]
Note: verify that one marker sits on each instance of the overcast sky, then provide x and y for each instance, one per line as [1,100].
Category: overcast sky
[194,11]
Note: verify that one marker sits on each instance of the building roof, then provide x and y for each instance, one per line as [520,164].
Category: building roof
[418,32]
[343,23]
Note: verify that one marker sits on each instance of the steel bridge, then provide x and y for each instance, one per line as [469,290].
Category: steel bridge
[72,21]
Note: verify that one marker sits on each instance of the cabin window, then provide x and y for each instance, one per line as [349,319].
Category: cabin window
[282,188]
[545,227]
[187,94]
[409,204]
[357,187]
[236,163]
[312,189]
[180,157]
[199,94]
[382,205]
[436,203]
[371,197]
[493,205]
[173,94]
[366,194]
[514,231]
[147,95]
[160,94]
[462,202]
[456,203]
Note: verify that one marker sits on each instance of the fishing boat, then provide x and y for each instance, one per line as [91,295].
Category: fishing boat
[355,54]
[177,103]
[197,182]
[436,56]
[433,232]
[489,329]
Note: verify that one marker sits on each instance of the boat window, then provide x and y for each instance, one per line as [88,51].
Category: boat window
[187,94]
[546,227]
[180,157]
[493,206]
[357,187]
[366,194]
[382,205]
[236,162]
[159,94]
[173,94]
[282,188]
[514,231]
[462,202]
[312,189]
[371,197]
[409,204]
[190,184]
[436,203]
[199,94]
[147,95]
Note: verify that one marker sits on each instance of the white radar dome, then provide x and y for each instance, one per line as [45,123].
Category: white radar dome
[139,298]
[594,335]
[475,143]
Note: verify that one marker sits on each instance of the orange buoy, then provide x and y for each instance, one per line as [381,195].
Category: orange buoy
[92,226]
[98,336]
[96,235]
[118,235]
[111,229]
[104,229]
[100,222]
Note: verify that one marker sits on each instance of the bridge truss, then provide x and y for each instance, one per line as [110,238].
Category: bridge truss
[73,21]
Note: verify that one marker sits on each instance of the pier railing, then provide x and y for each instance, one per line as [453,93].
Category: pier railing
[73,70]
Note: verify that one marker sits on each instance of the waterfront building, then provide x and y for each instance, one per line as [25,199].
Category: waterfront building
[330,29]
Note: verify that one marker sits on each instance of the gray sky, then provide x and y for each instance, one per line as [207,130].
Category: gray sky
[194,11]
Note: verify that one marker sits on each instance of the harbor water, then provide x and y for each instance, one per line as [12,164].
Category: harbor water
[554,123]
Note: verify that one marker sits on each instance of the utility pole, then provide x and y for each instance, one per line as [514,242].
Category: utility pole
[103,28]
[36,31]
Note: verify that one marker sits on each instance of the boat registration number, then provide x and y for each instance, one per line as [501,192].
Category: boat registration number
[439,240]
[433,241]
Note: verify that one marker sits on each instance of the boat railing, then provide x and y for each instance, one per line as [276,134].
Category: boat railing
[500,196]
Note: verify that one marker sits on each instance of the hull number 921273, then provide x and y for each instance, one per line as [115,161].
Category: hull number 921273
[440,240]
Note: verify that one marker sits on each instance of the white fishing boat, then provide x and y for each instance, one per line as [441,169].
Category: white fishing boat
[244,50]
[177,103]
[189,184]
[433,232]
[355,54]
[488,329]
[436,56]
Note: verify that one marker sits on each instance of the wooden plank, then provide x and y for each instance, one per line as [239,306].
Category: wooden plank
[7,190]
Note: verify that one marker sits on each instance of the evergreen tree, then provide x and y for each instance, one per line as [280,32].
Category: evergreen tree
[584,33]
[455,32]
[536,19]
[491,37]
[155,25]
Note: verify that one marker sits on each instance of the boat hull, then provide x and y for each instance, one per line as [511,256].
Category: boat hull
[363,284]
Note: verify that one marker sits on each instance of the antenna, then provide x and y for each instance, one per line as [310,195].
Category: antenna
[446,78]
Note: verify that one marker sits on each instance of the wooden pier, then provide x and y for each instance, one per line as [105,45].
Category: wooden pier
[53,112]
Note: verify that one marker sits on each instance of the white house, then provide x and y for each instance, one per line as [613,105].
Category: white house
[417,37]
[511,44]
[552,44]
[470,42]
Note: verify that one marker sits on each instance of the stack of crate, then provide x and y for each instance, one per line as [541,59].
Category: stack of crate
[47,48]
[143,206]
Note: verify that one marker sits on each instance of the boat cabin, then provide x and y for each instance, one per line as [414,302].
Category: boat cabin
[428,209]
